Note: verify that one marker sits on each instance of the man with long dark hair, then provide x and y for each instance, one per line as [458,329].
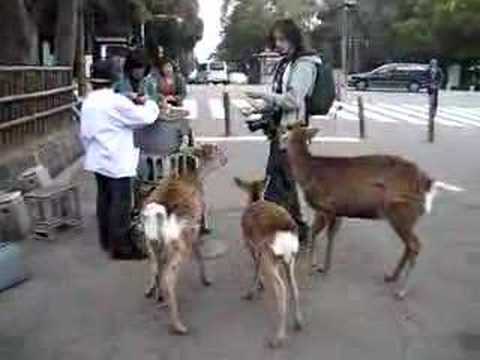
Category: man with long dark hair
[293,82]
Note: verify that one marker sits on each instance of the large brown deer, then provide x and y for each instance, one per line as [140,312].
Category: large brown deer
[366,187]
[270,234]
[172,216]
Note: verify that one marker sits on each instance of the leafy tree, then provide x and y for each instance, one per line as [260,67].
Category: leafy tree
[447,28]
[246,23]
[245,30]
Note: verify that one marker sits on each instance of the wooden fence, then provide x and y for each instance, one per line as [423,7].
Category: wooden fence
[34,102]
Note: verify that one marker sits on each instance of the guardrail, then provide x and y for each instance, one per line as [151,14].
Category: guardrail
[34,102]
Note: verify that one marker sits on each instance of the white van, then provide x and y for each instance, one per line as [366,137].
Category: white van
[215,72]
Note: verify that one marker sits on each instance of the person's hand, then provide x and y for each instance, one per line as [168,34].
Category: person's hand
[140,100]
[256,95]
[163,104]
[131,95]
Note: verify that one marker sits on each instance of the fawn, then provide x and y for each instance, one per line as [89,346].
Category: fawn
[171,217]
[270,234]
[367,187]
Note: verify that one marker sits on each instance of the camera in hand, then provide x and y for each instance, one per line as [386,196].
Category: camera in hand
[268,124]
[260,124]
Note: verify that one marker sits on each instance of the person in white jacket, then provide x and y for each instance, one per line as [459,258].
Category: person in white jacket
[107,123]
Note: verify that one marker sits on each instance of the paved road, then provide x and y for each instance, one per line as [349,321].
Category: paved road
[80,305]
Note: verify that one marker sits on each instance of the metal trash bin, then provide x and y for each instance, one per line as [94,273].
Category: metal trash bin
[15,223]
[162,137]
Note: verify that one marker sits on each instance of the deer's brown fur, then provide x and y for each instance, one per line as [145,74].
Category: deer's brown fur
[270,234]
[179,202]
[367,187]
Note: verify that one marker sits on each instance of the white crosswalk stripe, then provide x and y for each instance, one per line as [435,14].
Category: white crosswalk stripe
[192,107]
[457,116]
[216,108]
[470,111]
[460,114]
[382,112]
[440,117]
[397,112]
[370,113]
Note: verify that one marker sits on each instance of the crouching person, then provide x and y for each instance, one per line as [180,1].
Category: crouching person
[107,123]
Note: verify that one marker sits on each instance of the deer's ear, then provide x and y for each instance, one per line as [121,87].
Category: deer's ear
[241,183]
[295,125]
[310,133]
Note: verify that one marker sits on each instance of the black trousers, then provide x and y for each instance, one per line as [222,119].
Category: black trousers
[281,187]
[114,200]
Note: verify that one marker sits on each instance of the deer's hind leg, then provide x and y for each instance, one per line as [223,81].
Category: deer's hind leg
[403,216]
[271,272]
[169,284]
[292,282]
[155,265]
[256,285]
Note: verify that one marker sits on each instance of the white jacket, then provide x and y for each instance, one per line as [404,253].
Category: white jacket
[107,123]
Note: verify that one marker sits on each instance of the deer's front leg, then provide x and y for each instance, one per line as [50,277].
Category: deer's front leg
[256,284]
[205,279]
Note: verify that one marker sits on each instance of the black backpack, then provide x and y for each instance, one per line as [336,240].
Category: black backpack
[323,94]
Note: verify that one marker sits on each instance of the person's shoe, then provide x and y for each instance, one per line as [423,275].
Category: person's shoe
[104,245]
[127,254]
[205,231]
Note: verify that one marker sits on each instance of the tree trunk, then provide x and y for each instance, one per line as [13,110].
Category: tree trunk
[80,53]
[66,33]
[18,34]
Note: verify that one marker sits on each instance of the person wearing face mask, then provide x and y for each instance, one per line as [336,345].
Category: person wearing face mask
[293,81]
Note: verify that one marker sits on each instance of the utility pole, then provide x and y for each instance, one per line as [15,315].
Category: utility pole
[344,39]
[347,5]
[80,53]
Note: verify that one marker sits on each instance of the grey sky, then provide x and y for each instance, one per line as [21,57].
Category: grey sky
[210,12]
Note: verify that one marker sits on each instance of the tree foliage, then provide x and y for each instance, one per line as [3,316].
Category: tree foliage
[447,28]
[246,23]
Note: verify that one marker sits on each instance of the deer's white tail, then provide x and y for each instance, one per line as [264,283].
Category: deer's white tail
[159,226]
[153,216]
[285,244]
[438,185]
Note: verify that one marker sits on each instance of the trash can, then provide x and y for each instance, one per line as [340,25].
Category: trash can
[15,222]
[162,137]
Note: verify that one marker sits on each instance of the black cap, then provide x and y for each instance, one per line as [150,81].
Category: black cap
[103,72]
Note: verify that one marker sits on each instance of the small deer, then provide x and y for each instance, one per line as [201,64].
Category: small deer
[171,217]
[270,234]
[366,187]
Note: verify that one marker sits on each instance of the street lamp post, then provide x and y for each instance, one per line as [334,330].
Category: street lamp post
[347,5]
